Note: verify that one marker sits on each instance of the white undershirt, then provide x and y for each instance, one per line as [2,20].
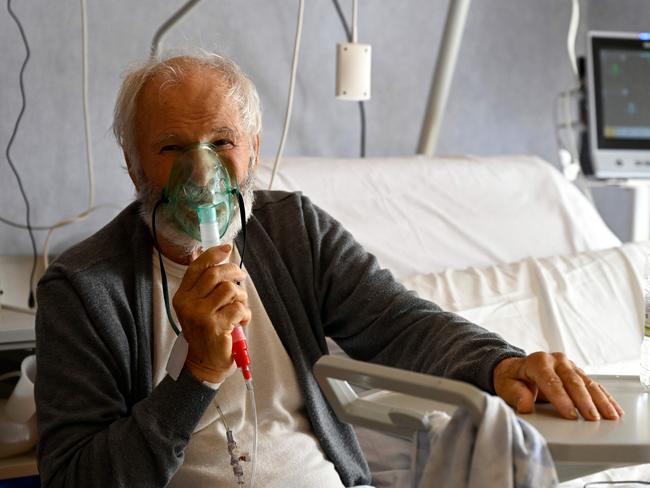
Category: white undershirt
[288,452]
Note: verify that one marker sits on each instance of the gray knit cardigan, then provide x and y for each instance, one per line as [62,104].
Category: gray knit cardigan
[102,423]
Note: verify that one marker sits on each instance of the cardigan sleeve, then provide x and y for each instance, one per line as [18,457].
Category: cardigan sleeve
[90,434]
[374,318]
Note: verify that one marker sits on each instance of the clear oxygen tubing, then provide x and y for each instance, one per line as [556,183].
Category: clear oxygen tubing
[292,84]
[209,229]
[251,394]
[176,329]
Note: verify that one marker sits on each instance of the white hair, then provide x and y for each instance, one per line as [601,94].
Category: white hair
[239,88]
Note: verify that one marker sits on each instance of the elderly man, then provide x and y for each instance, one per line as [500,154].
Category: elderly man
[110,413]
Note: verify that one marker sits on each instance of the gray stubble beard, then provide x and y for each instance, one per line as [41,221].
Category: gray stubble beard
[148,196]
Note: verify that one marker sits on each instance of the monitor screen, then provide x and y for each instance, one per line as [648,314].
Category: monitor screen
[622,92]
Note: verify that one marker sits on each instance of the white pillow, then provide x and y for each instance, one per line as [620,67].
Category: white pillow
[427,214]
[588,305]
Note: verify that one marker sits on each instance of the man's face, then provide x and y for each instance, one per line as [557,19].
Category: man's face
[170,118]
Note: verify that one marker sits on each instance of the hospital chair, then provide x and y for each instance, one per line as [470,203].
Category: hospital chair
[446,220]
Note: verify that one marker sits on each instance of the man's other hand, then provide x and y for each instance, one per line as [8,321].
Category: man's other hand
[209,304]
[554,378]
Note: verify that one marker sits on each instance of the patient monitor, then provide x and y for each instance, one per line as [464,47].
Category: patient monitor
[618,105]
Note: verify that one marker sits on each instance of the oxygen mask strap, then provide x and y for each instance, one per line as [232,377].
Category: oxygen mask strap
[163,275]
[242,215]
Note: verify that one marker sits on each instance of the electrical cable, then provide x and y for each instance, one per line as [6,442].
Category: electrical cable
[84,96]
[23,226]
[348,34]
[571,168]
[355,15]
[89,154]
[362,107]
[292,83]
[169,23]
[572,33]
[362,113]
[87,130]
[569,125]
[21,82]
[89,159]
[88,139]
[68,221]
[559,125]
[574,23]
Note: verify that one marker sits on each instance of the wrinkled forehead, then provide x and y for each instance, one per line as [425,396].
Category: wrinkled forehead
[185,95]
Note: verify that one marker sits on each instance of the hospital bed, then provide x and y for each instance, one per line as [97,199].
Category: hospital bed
[506,242]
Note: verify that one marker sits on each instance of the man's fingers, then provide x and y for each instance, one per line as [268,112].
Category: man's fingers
[559,381]
[208,259]
[510,384]
[605,403]
[226,293]
[582,396]
[519,396]
[212,277]
[234,314]
[612,400]
[551,387]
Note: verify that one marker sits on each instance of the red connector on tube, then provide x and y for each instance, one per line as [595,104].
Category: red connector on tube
[240,352]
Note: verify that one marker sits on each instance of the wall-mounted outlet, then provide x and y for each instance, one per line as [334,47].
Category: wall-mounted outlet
[353,69]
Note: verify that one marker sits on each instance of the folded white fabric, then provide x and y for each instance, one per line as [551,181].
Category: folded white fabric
[504,451]
[588,305]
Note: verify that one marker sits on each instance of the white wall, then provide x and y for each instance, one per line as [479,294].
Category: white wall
[512,64]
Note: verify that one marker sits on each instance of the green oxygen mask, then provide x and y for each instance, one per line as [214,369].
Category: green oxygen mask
[201,195]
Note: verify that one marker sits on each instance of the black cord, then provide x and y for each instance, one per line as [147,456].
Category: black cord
[242,215]
[163,275]
[31,301]
[346,28]
[362,111]
[594,483]
[22,226]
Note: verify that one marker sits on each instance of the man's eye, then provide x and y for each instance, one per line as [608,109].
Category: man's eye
[170,147]
[222,143]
